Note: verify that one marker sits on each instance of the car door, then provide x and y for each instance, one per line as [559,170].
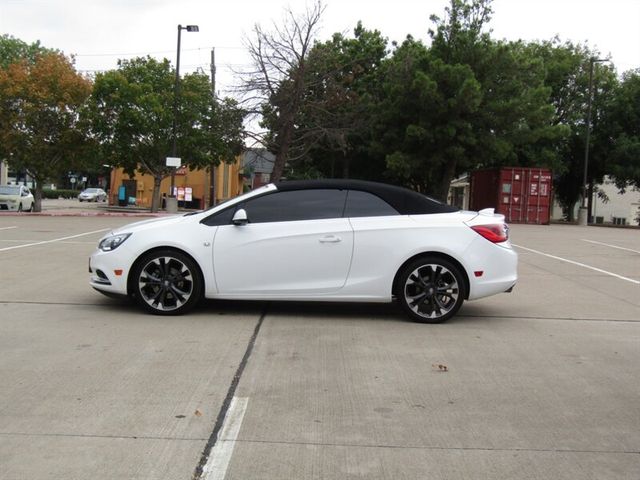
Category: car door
[296,244]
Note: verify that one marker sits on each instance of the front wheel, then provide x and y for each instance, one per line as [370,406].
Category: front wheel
[431,289]
[166,282]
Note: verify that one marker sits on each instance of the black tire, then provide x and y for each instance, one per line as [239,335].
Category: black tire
[166,282]
[31,208]
[431,289]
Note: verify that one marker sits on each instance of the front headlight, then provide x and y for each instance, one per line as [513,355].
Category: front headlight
[112,242]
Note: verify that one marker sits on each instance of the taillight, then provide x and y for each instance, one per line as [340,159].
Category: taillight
[495,233]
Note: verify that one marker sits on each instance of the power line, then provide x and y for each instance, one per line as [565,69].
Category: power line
[159,52]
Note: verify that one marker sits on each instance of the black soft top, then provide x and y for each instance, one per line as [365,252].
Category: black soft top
[405,201]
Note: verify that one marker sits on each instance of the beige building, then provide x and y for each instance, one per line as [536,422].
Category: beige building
[193,187]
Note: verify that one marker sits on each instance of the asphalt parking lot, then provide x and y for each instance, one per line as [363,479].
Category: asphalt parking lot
[541,383]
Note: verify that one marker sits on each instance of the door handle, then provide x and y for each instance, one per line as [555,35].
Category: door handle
[330,239]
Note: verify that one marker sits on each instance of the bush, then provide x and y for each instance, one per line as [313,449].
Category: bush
[60,193]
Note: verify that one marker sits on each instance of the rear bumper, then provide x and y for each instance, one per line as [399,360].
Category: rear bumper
[493,268]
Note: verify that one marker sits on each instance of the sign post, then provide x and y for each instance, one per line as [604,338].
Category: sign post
[172,201]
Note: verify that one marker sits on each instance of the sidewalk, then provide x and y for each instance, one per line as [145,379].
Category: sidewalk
[73,208]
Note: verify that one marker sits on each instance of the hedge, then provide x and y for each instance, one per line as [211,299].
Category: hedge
[60,193]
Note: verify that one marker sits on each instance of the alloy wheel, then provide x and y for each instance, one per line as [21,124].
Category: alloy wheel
[432,292]
[166,284]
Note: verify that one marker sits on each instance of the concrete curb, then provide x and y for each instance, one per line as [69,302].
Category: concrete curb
[67,213]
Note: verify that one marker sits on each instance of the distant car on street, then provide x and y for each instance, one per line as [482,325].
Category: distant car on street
[93,195]
[16,198]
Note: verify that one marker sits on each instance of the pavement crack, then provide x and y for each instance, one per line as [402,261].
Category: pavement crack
[91,435]
[436,448]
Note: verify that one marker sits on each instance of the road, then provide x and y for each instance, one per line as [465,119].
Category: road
[541,383]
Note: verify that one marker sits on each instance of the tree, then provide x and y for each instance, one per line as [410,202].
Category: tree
[424,118]
[131,111]
[14,50]
[334,127]
[40,130]
[276,86]
[566,68]
[621,131]
[466,102]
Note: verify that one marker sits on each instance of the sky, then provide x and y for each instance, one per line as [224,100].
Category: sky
[98,33]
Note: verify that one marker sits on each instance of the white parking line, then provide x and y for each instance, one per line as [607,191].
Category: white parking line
[52,241]
[7,228]
[612,246]
[579,264]
[216,467]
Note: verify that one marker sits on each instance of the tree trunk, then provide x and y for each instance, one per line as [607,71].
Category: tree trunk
[445,181]
[283,153]
[155,197]
[345,166]
[37,204]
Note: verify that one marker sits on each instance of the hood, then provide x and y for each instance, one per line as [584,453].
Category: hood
[148,224]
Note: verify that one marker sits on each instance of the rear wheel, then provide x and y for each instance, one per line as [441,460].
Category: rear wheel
[167,282]
[431,289]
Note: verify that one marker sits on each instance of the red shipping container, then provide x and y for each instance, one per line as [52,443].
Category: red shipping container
[522,195]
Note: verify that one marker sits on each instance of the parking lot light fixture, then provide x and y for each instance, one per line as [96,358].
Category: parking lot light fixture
[174,147]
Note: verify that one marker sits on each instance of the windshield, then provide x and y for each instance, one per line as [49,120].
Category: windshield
[10,190]
[91,190]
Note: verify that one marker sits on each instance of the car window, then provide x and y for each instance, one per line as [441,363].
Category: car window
[296,205]
[220,218]
[10,190]
[365,204]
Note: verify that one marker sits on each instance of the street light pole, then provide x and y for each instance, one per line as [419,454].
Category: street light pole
[583,212]
[176,95]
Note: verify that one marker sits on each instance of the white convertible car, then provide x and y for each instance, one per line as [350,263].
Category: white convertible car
[321,240]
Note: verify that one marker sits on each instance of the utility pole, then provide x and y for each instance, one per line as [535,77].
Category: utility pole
[212,173]
[583,211]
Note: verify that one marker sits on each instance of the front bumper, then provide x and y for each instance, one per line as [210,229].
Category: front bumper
[110,271]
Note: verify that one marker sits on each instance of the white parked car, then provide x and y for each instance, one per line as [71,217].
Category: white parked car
[324,240]
[16,198]
[93,195]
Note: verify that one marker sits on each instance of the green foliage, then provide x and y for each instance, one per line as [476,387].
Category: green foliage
[334,127]
[132,112]
[13,50]
[622,128]
[59,193]
[466,102]
[420,115]
[40,132]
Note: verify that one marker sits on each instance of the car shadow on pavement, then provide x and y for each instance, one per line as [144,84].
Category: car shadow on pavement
[470,313]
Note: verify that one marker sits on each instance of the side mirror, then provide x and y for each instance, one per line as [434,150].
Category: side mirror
[240,217]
